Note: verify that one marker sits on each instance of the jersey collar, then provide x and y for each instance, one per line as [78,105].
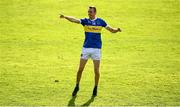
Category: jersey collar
[93,19]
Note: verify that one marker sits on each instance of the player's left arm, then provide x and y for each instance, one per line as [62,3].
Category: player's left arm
[113,30]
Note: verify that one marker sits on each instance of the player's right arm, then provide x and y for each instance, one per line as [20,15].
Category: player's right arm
[70,18]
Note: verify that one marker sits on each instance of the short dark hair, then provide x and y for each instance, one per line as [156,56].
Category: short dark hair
[93,7]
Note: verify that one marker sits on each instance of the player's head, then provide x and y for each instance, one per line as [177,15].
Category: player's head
[92,12]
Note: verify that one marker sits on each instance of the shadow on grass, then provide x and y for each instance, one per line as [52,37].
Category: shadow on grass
[89,101]
[72,101]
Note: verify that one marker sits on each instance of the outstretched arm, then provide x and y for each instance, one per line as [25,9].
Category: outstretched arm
[113,30]
[70,18]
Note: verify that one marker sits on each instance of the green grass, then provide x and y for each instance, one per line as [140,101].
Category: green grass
[140,66]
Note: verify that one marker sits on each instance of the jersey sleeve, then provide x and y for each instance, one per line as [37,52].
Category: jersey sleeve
[83,21]
[104,24]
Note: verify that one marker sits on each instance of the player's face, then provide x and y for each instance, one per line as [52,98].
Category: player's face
[91,13]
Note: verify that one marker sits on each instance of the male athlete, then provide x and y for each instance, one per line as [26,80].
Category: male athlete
[92,44]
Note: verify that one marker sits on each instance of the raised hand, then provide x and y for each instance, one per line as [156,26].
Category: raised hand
[62,16]
[119,30]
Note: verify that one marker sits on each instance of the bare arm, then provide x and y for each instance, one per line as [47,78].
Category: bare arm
[113,30]
[70,18]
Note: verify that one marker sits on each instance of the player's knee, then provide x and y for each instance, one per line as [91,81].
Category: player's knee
[96,69]
[97,72]
[80,70]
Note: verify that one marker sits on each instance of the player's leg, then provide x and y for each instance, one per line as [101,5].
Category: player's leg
[96,56]
[79,73]
[83,61]
[78,77]
[80,70]
[96,71]
[97,75]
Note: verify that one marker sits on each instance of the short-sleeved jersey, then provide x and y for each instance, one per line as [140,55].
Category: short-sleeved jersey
[92,29]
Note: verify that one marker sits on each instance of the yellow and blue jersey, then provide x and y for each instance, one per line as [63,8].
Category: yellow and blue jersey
[92,29]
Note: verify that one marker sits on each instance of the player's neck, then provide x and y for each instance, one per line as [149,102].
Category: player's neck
[92,18]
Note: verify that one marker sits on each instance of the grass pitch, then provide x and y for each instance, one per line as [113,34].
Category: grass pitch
[140,66]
